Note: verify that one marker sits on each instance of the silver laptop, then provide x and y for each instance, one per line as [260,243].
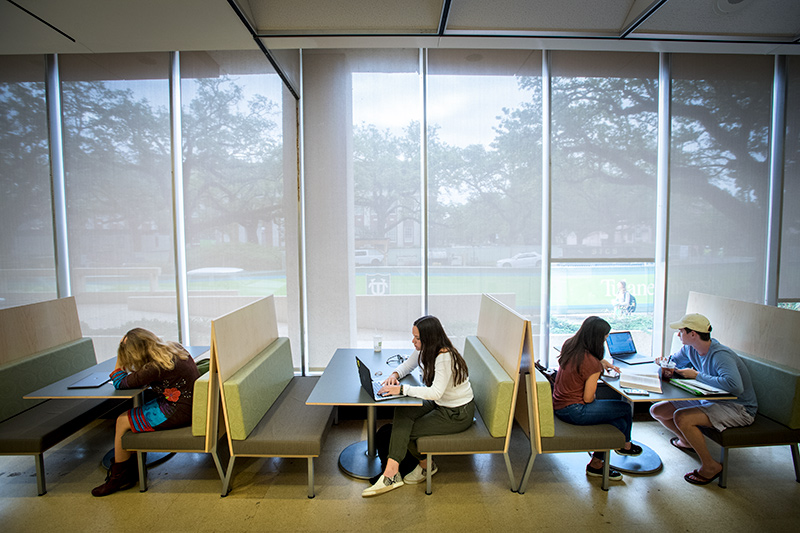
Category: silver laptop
[369,385]
[622,348]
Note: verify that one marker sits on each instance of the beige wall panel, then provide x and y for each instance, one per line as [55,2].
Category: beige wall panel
[765,331]
[502,331]
[28,329]
[240,335]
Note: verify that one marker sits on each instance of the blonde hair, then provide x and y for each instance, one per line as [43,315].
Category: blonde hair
[140,348]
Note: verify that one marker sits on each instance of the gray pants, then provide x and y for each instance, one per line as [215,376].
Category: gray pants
[410,423]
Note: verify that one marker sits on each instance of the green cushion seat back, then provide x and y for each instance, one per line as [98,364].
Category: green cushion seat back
[544,394]
[24,376]
[492,386]
[251,391]
[777,389]
[200,405]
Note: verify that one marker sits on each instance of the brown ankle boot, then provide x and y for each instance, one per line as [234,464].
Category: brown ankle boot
[120,476]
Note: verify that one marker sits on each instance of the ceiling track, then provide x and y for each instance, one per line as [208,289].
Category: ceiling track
[643,16]
[40,19]
[443,18]
[544,36]
[278,69]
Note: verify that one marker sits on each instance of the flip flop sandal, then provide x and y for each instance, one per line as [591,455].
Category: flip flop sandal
[674,442]
[696,478]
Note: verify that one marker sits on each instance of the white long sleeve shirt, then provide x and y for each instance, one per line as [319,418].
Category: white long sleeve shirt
[442,391]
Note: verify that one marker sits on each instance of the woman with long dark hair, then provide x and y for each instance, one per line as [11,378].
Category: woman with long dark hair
[448,405]
[580,365]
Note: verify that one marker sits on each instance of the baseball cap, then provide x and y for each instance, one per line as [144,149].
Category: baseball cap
[693,321]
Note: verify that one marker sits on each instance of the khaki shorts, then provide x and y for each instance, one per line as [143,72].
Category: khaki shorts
[722,414]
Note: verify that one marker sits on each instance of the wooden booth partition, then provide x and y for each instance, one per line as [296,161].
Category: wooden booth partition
[768,332]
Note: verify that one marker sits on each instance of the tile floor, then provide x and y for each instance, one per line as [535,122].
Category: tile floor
[469,493]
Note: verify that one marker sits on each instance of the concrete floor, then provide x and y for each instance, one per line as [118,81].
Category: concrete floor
[469,493]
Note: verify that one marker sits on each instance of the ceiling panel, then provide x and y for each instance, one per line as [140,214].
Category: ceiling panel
[605,16]
[345,16]
[763,19]
[121,26]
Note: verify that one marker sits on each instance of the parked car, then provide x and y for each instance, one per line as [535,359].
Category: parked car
[370,257]
[524,259]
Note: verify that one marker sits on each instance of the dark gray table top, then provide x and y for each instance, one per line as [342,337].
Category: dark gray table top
[340,384]
[60,390]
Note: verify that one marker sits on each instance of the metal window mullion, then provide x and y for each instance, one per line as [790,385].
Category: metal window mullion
[544,318]
[662,202]
[178,218]
[776,154]
[301,232]
[423,156]
[57,177]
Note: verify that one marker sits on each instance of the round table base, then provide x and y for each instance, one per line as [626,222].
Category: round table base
[356,462]
[647,463]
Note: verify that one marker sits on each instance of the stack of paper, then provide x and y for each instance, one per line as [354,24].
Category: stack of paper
[697,387]
[649,381]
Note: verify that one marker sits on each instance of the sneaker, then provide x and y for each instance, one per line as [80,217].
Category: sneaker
[633,451]
[613,475]
[419,474]
[384,484]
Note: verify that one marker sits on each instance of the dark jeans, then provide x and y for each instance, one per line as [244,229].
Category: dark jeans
[615,412]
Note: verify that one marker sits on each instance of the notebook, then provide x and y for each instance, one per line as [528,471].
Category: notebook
[369,385]
[622,348]
[92,381]
[698,388]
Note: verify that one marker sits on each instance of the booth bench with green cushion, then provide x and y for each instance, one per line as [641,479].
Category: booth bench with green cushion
[30,427]
[549,434]
[495,397]
[266,413]
[778,419]
[201,437]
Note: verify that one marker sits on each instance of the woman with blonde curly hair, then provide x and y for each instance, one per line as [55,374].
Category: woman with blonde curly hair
[167,368]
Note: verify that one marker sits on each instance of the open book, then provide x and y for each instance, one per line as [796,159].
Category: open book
[647,381]
[697,387]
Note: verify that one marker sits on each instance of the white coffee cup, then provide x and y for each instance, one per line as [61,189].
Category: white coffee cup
[377,343]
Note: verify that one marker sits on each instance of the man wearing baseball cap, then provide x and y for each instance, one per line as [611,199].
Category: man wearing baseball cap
[706,360]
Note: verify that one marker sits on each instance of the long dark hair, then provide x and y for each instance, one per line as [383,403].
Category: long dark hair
[590,338]
[434,340]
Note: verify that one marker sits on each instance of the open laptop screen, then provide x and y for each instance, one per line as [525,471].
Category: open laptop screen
[620,343]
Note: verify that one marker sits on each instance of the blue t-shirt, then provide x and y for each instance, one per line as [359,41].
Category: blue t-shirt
[721,368]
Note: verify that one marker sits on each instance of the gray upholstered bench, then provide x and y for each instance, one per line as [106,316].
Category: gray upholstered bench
[778,420]
[549,434]
[266,412]
[30,427]
[202,436]
[495,397]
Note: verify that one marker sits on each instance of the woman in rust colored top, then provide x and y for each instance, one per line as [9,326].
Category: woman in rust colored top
[580,365]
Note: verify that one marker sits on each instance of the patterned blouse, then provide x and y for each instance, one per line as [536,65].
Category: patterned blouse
[173,389]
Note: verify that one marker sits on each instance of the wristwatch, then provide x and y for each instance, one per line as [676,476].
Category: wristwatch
[401,390]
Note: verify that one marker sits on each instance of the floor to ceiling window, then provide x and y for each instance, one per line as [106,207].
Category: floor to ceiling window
[119,194]
[484,183]
[719,177]
[604,146]
[390,183]
[362,198]
[789,285]
[27,260]
[236,204]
